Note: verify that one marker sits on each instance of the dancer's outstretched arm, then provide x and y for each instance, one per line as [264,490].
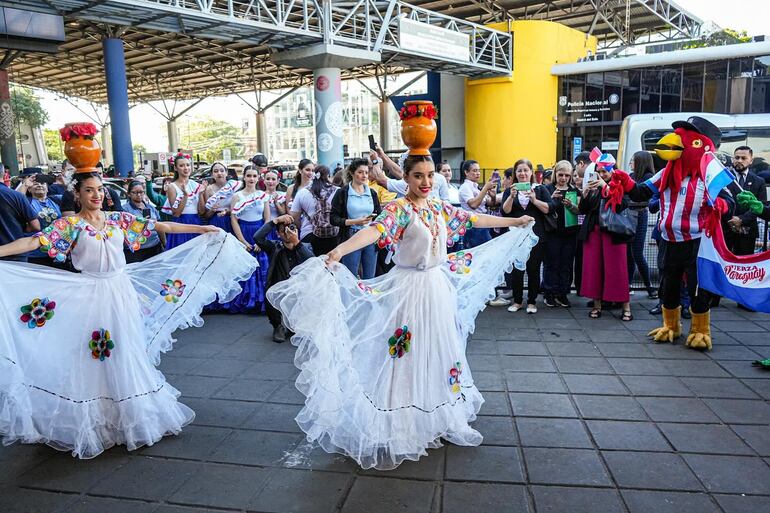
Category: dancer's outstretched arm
[20,246]
[485,221]
[361,239]
[166,227]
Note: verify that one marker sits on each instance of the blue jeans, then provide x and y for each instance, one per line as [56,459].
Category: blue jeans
[366,258]
[476,237]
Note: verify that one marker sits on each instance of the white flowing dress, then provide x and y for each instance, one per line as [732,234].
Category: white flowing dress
[382,361]
[78,350]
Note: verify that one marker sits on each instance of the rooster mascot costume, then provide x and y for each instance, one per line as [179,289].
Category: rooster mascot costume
[685,213]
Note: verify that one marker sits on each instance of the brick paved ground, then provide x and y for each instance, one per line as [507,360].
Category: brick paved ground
[581,415]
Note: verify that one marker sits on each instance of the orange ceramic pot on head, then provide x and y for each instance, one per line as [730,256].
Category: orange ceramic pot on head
[419,132]
[83,153]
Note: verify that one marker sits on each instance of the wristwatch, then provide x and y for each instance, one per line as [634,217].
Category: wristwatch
[375,162]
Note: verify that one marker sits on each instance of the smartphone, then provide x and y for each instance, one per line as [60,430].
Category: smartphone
[146,213]
[495,175]
[522,186]
[372,144]
[44,178]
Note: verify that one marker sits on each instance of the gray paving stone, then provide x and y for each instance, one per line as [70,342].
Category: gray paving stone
[220,413]
[274,417]
[534,382]
[85,504]
[194,442]
[609,407]
[199,350]
[19,500]
[704,438]
[180,509]
[221,486]
[240,389]
[644,501]
[565,467]
[484,362]
[731,388]
[484,498]
[731,474]
[321,491]
[760,386]
[655,470]
[583,365]
[743,503]
[520,348]
[641,436]
[561,499]
[173,364]
[624,350]
[273,371]
[758,437]
[661,386]
[674,409]
[255,448]
[383,495]
[17,459]
[639,366]
[63,473]
[484,463]
[287,394]
[495,403]
[552,433]
[695,368]
[489,381]
[309,456]
[527,363]
[145,478]
[198,386]
[482,347]
[743,369]
[505,333]
[220,368]
[427,468]
[675,352]
[595,385]
[740,411]
[496,430]
[541,405]
[572,349]
[722,352]
[562,335]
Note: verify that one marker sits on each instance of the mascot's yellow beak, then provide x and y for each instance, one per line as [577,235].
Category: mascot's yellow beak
[669,147]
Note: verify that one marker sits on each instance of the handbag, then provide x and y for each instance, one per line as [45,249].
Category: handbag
[622,225]
[551,223]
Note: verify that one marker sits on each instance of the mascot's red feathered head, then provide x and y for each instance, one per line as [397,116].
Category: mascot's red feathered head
[683,149]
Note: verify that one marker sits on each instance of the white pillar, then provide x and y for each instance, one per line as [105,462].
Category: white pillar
[107,158]
[261,132]
[173,135]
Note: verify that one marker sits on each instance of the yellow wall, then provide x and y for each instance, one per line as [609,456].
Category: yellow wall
[515,117]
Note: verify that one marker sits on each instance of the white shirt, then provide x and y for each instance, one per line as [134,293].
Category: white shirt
[454,194]
[469,190]
[440,187]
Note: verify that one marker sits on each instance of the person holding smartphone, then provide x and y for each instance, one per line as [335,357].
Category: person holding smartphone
[477,200]
[353,208]
[139,206]
[526,198]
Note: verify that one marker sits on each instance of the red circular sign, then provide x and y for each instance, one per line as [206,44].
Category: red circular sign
[322,83]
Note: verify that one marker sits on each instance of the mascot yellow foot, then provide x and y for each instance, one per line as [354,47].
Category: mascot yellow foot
[672,326]
[700,331]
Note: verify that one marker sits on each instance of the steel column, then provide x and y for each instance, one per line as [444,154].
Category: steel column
[328,116]
[117,98]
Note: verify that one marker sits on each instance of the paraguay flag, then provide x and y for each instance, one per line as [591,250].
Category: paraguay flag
[744,279]
[716,176]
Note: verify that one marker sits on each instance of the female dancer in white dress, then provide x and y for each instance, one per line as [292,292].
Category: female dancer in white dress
[78,350]
[382,361]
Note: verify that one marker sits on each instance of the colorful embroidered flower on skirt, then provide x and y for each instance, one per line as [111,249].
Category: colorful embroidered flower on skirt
[460,262]
[172,290]
[101,345]
[400,342]
[35,314]
[454,377]
[366,289]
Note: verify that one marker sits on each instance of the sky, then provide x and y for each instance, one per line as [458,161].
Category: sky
[149,128]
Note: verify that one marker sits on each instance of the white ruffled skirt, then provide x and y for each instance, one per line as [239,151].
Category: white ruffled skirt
[382,361]
[77,367]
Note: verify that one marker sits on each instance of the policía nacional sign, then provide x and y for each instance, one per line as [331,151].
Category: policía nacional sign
[431,40]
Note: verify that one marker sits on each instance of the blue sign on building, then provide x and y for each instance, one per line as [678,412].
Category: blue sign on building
[577,147]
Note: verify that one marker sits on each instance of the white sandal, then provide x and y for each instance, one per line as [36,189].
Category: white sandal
[514,307]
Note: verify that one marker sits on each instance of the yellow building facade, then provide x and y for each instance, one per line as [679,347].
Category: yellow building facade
[515,117]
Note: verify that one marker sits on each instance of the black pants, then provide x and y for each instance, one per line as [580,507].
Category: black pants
[515,279]
[273,315]
[578,265]
[557,264]
[679,259]
[321,246]
[739,244]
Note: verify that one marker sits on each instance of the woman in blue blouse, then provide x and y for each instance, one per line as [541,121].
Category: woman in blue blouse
[139,206]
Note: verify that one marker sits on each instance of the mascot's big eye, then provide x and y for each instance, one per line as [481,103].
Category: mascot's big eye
[697,143]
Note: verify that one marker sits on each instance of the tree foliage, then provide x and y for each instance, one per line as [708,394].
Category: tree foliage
[208,138]
[54,146]
[720,38]
[26,107]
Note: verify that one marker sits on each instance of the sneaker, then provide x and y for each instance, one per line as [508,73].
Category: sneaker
[549,302]
[506,294]
[686,313]
[279,334]
[514,307]
[656,310]
[531,309]
[563,301]
[499,301]
[631,292]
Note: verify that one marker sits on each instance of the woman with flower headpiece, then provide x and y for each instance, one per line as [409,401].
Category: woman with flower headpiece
[214,204]
[382,361]
[78,352]
[182,199]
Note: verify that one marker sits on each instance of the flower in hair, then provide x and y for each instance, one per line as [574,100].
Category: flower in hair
[179,155]
[316,175]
